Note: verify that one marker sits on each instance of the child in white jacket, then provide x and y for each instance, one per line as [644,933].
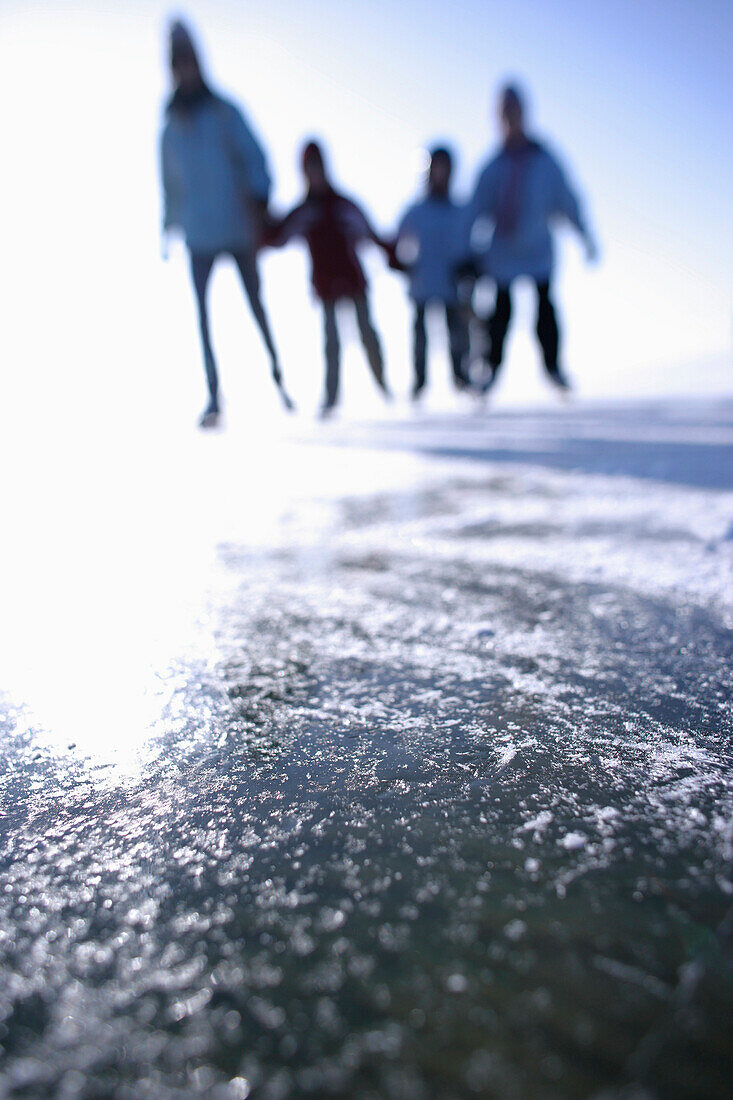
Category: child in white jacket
[430,245]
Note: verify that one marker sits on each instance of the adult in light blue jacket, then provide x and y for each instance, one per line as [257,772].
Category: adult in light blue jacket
[518,196]
[430,245]
[215,191]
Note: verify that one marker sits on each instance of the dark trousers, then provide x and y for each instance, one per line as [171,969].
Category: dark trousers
[201,268]
[369,339]
[547,330]
[457,342]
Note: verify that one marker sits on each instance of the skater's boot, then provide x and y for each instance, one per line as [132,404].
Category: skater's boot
[382,383]
[559,378]
[489,380]
[480,375]
[326,410]
[288,403]
[210,416]
[277,377]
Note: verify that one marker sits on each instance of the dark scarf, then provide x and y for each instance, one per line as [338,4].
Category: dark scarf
[185,102]
[326,196]
[439,195]
[509,204]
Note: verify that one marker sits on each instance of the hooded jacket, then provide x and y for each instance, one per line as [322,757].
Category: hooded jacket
[520,193]
[213,170]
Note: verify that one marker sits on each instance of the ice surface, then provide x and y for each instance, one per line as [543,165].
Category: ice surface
[412,777]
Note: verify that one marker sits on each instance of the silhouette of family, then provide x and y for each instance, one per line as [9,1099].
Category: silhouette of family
[216,192]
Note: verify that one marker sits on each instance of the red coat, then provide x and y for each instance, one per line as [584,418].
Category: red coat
[332,227]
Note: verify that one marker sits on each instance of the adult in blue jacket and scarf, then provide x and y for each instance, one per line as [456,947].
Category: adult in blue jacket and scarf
[215,188]
[520,192]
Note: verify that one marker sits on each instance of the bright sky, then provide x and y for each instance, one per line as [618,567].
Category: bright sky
[635,95]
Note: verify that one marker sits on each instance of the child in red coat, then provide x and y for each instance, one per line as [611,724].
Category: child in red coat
[332,227]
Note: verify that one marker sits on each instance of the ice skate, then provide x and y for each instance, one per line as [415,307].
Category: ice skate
[560,380]
[210,416]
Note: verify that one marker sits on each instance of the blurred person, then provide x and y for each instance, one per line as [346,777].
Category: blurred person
[520,192]
[333,226]
[216,187]
[430,246]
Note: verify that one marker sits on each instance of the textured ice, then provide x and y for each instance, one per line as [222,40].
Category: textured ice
[573,842]
[430,794]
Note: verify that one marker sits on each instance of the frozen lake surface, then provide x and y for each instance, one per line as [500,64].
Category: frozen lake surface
[386,760]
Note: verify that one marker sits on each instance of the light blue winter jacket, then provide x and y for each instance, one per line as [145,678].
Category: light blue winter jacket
[213,169]
[543,195]
[431,241]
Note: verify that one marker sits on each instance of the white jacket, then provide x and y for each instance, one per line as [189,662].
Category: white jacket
[431,241]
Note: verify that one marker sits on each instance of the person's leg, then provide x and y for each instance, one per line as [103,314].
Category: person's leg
[247,265]
[201,265]
[498,325]
[548,334]
[370,340]
[419,349]
[333,354]
[458,344]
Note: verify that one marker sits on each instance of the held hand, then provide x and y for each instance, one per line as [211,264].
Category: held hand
[262,222]
[260,213]
[164,246]
[591,250]
[393,259]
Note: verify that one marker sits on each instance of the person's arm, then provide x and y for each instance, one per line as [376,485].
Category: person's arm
[567,204]
[405,245]
[466,256]
[249,158]
[482,203]
[172,190]
[295,224]
[358,227]
[480,212]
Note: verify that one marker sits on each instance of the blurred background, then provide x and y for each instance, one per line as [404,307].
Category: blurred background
[635,97]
